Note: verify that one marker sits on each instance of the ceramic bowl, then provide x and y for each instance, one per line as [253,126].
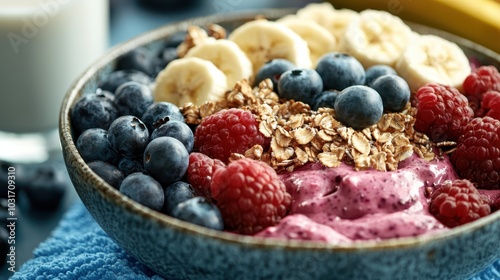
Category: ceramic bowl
[179,250]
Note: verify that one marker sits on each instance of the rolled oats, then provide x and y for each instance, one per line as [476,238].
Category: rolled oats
[300,135]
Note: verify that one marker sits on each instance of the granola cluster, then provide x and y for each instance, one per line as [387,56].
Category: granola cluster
[300,135]
[196,35]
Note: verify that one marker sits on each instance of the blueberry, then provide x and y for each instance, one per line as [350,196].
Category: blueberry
[48,186]
[93,111]
[160,110]
[273,70]
[140,59]
[119,77]
[109,173]
[394,91]
[176,193]
[340,70]
[199,211]
[128,136]
[93,144]
[376,71]
[300,84]
[325,99]
[166,159]
[143,189]
[359,107]
[178,130]
[129,166]
[132,98]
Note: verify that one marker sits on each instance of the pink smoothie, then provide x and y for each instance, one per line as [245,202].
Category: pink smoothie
[341,205]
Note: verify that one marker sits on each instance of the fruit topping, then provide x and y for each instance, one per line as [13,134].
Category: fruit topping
[432,59]
[228,131]
[108,172]
[442,112]
[143,189]
[176,129]
[491,104]
[300,84]
[140,59]
[166,159]
[477,156]
[394,91]
[93,144]
[457,203]
[119,77]
[249,195]
[93,111]
[161,110]
[200,171]
[481,80]
[176,193]
[376,37]
[262,40]
[190,79]
[325,99]
[128,136]
[376,71]
[340,70]
[199,211]
[133,98]
[359,107]
[273,69]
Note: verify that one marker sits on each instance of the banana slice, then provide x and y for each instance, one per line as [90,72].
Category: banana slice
[263,40]
[227,56]
[376,37]
[431,58]
[334,20]
[190,79]
[319,39]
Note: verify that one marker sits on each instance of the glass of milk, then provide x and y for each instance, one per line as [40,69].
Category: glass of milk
[44,46]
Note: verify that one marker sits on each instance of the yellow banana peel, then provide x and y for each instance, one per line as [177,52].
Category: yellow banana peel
[478,20]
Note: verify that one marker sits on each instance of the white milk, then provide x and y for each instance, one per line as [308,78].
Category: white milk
[44,46]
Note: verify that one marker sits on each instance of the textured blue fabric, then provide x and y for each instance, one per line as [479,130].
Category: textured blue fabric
[80,249]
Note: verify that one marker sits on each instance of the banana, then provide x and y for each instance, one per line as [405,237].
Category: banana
[431,58]
[262,40]
[227,56]
[334,20]
[190,79]
[474,20]
[319,39]
[376,37]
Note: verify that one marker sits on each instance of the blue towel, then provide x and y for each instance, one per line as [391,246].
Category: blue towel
[79,249]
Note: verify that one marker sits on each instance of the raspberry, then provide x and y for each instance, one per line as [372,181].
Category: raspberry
[481,80]
[457,203]
[477,156]
[249,195]
[442,112]
[228,131]
[491,104]
[200,171]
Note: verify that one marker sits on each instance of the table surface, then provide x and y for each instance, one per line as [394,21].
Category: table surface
[128,19]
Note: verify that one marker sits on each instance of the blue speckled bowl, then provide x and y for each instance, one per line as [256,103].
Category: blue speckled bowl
[179,250]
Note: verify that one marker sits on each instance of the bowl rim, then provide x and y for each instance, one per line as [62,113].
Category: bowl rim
[113,195]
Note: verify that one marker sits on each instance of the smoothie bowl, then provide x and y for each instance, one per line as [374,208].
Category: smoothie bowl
[314,193]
